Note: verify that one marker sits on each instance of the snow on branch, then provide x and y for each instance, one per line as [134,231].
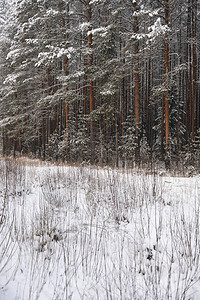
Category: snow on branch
[157,29]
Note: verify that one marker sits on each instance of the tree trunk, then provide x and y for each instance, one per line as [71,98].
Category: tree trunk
[194,62]
[122,83]
[136,76]
[90,81]
[166,80]
[65,66]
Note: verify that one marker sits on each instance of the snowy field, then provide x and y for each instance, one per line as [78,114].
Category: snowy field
[88,233]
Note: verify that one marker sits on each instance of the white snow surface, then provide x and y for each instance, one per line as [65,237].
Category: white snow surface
[97,233]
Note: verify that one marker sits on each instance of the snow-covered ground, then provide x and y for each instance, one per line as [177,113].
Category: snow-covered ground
[88,233]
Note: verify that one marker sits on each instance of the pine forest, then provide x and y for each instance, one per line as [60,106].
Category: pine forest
[108,82]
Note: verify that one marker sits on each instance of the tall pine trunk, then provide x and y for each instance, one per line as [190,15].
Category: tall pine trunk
[65,66]
[136,76]
[90,80]
[166,81]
